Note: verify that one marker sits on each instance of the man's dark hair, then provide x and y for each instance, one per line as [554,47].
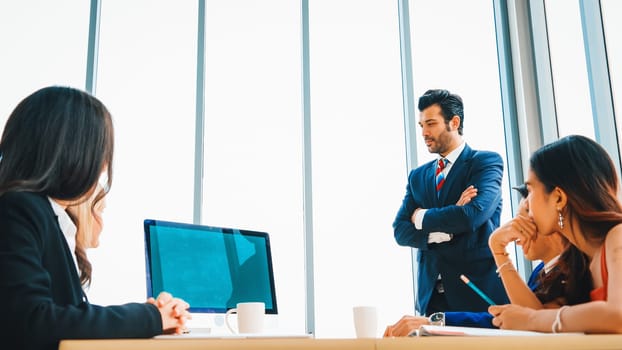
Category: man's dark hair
[451,104]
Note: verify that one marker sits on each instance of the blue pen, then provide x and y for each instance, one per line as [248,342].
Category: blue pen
[477,290]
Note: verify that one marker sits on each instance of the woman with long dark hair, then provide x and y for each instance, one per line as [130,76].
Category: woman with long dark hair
[56,145]
[573,189]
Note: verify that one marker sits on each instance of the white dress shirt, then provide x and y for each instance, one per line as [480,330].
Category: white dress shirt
[68,228]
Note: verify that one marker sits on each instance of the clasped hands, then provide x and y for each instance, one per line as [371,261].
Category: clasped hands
[174,312]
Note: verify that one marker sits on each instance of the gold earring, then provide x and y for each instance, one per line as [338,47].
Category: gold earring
[560,219]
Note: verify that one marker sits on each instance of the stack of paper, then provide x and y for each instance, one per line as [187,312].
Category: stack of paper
[426,330]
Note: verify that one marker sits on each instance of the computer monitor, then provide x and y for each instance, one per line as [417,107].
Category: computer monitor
[211,268]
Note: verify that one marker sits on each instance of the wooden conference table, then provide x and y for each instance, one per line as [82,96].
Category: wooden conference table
[562,342]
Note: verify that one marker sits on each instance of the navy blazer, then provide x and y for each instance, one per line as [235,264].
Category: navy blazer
[467,253]
[484,319]
[42,299]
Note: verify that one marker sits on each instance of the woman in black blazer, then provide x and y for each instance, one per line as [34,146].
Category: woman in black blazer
[56,145]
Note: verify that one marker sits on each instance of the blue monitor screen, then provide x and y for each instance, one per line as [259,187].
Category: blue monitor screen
[212,268]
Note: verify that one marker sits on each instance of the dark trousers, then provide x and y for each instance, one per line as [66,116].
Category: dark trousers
[438,302]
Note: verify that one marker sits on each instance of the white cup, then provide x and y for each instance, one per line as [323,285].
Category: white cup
[250,317]
[365,321]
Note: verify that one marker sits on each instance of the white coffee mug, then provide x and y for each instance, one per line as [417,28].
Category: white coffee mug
[365,321]
[250,317]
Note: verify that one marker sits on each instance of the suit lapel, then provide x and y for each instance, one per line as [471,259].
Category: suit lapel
[457,172]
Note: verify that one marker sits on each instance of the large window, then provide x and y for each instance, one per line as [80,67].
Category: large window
[253,137]
[359,173]
[147,70]
[612,13]
[460,55]
[253,160]
[43,43]
[570,81]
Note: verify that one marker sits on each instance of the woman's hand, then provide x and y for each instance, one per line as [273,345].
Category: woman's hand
[511,316]
[174,312]
[405,326]
[520,229]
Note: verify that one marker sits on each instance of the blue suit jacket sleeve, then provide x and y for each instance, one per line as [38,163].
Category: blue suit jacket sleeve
[486,174]
[404,230]
[469,319]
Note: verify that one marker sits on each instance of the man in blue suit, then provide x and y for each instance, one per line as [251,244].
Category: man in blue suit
[451,206]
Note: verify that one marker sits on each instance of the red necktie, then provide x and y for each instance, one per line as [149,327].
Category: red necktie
[440,176]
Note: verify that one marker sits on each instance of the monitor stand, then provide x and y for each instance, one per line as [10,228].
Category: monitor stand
[215,323]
